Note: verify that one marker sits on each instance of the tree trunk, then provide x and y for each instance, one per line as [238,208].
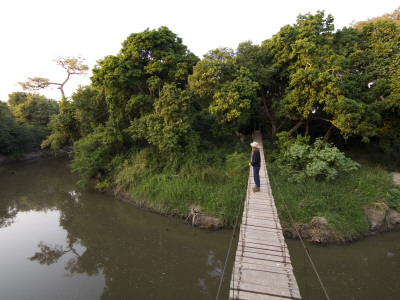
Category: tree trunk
[293,130]
[272,120]
[328,134]
[307,128]
[241,136]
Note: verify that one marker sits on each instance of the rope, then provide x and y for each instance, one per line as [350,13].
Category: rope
[230,245]
[302,242]
[305,273]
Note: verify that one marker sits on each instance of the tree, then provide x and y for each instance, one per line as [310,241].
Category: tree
[312,77]
[169,127]
[391,17]
[232,103]
[134,78]
[14,138]
[305,51]
[371,62]
[72,65]
[33,112]
[33,109]
[145,105]
[77,118]
[271,77]
[225,89]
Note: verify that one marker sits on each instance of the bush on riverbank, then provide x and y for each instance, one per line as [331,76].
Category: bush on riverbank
[298,160]
[341,202]
[23,122]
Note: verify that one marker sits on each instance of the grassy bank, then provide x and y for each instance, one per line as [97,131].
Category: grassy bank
[212,182]
[340,202]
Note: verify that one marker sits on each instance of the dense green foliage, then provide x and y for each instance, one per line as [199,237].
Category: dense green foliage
[23,122]
[14,138]
[298,160]
[77,118]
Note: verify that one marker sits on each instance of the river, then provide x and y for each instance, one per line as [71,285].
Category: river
[60,241]
[367,269]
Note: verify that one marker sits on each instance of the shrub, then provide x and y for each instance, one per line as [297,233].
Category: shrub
[14,138]
[322,161]
[93,153]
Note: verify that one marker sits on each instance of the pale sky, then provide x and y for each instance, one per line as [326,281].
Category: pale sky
[35,32]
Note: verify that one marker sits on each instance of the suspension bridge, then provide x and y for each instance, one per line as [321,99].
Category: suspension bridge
[262,268]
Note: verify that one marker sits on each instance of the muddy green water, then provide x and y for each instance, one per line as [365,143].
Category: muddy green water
[58,241]
[368,269]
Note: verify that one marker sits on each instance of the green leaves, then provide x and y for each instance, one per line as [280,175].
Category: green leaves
[14,138]
[225,88]
[169,127]
[146,62]
[232,102]
[298,160]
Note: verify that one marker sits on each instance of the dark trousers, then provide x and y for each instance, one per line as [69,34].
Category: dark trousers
[256,174]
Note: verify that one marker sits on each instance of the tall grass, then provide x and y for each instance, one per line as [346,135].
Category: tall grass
[212,181]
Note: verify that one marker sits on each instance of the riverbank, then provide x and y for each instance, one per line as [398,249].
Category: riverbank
[378,217]
[354,206]
[34,154]
[194,217]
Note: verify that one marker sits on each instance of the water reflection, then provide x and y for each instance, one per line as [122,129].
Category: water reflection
[48,254]
[92,246]
[7,216]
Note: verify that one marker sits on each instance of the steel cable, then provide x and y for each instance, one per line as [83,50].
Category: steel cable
[302,242]
[231,242]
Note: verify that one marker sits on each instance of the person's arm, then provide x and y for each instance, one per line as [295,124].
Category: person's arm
[253,159]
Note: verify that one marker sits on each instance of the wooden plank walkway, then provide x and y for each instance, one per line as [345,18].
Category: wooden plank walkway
[262,268]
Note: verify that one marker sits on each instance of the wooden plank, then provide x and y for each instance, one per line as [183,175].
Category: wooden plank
[265,257]
[261,231]
[262,224]
[264,246]
[254,265]
[288,292]
[241,295]
[261,277]
[273,266]
[260,235]
[277,252]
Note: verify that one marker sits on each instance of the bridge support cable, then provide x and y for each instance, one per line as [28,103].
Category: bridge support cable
[306,251]
[231,242]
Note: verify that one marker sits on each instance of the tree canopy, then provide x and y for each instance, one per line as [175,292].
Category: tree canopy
[72,65]
[23,122]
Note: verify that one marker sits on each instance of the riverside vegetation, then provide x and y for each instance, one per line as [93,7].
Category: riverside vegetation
[171,132]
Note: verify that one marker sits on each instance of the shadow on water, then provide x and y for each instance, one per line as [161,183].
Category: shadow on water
[58,241]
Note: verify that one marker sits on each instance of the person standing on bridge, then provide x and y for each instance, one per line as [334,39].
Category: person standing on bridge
[256,163]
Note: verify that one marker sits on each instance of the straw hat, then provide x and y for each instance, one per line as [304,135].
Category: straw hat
[255,145]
